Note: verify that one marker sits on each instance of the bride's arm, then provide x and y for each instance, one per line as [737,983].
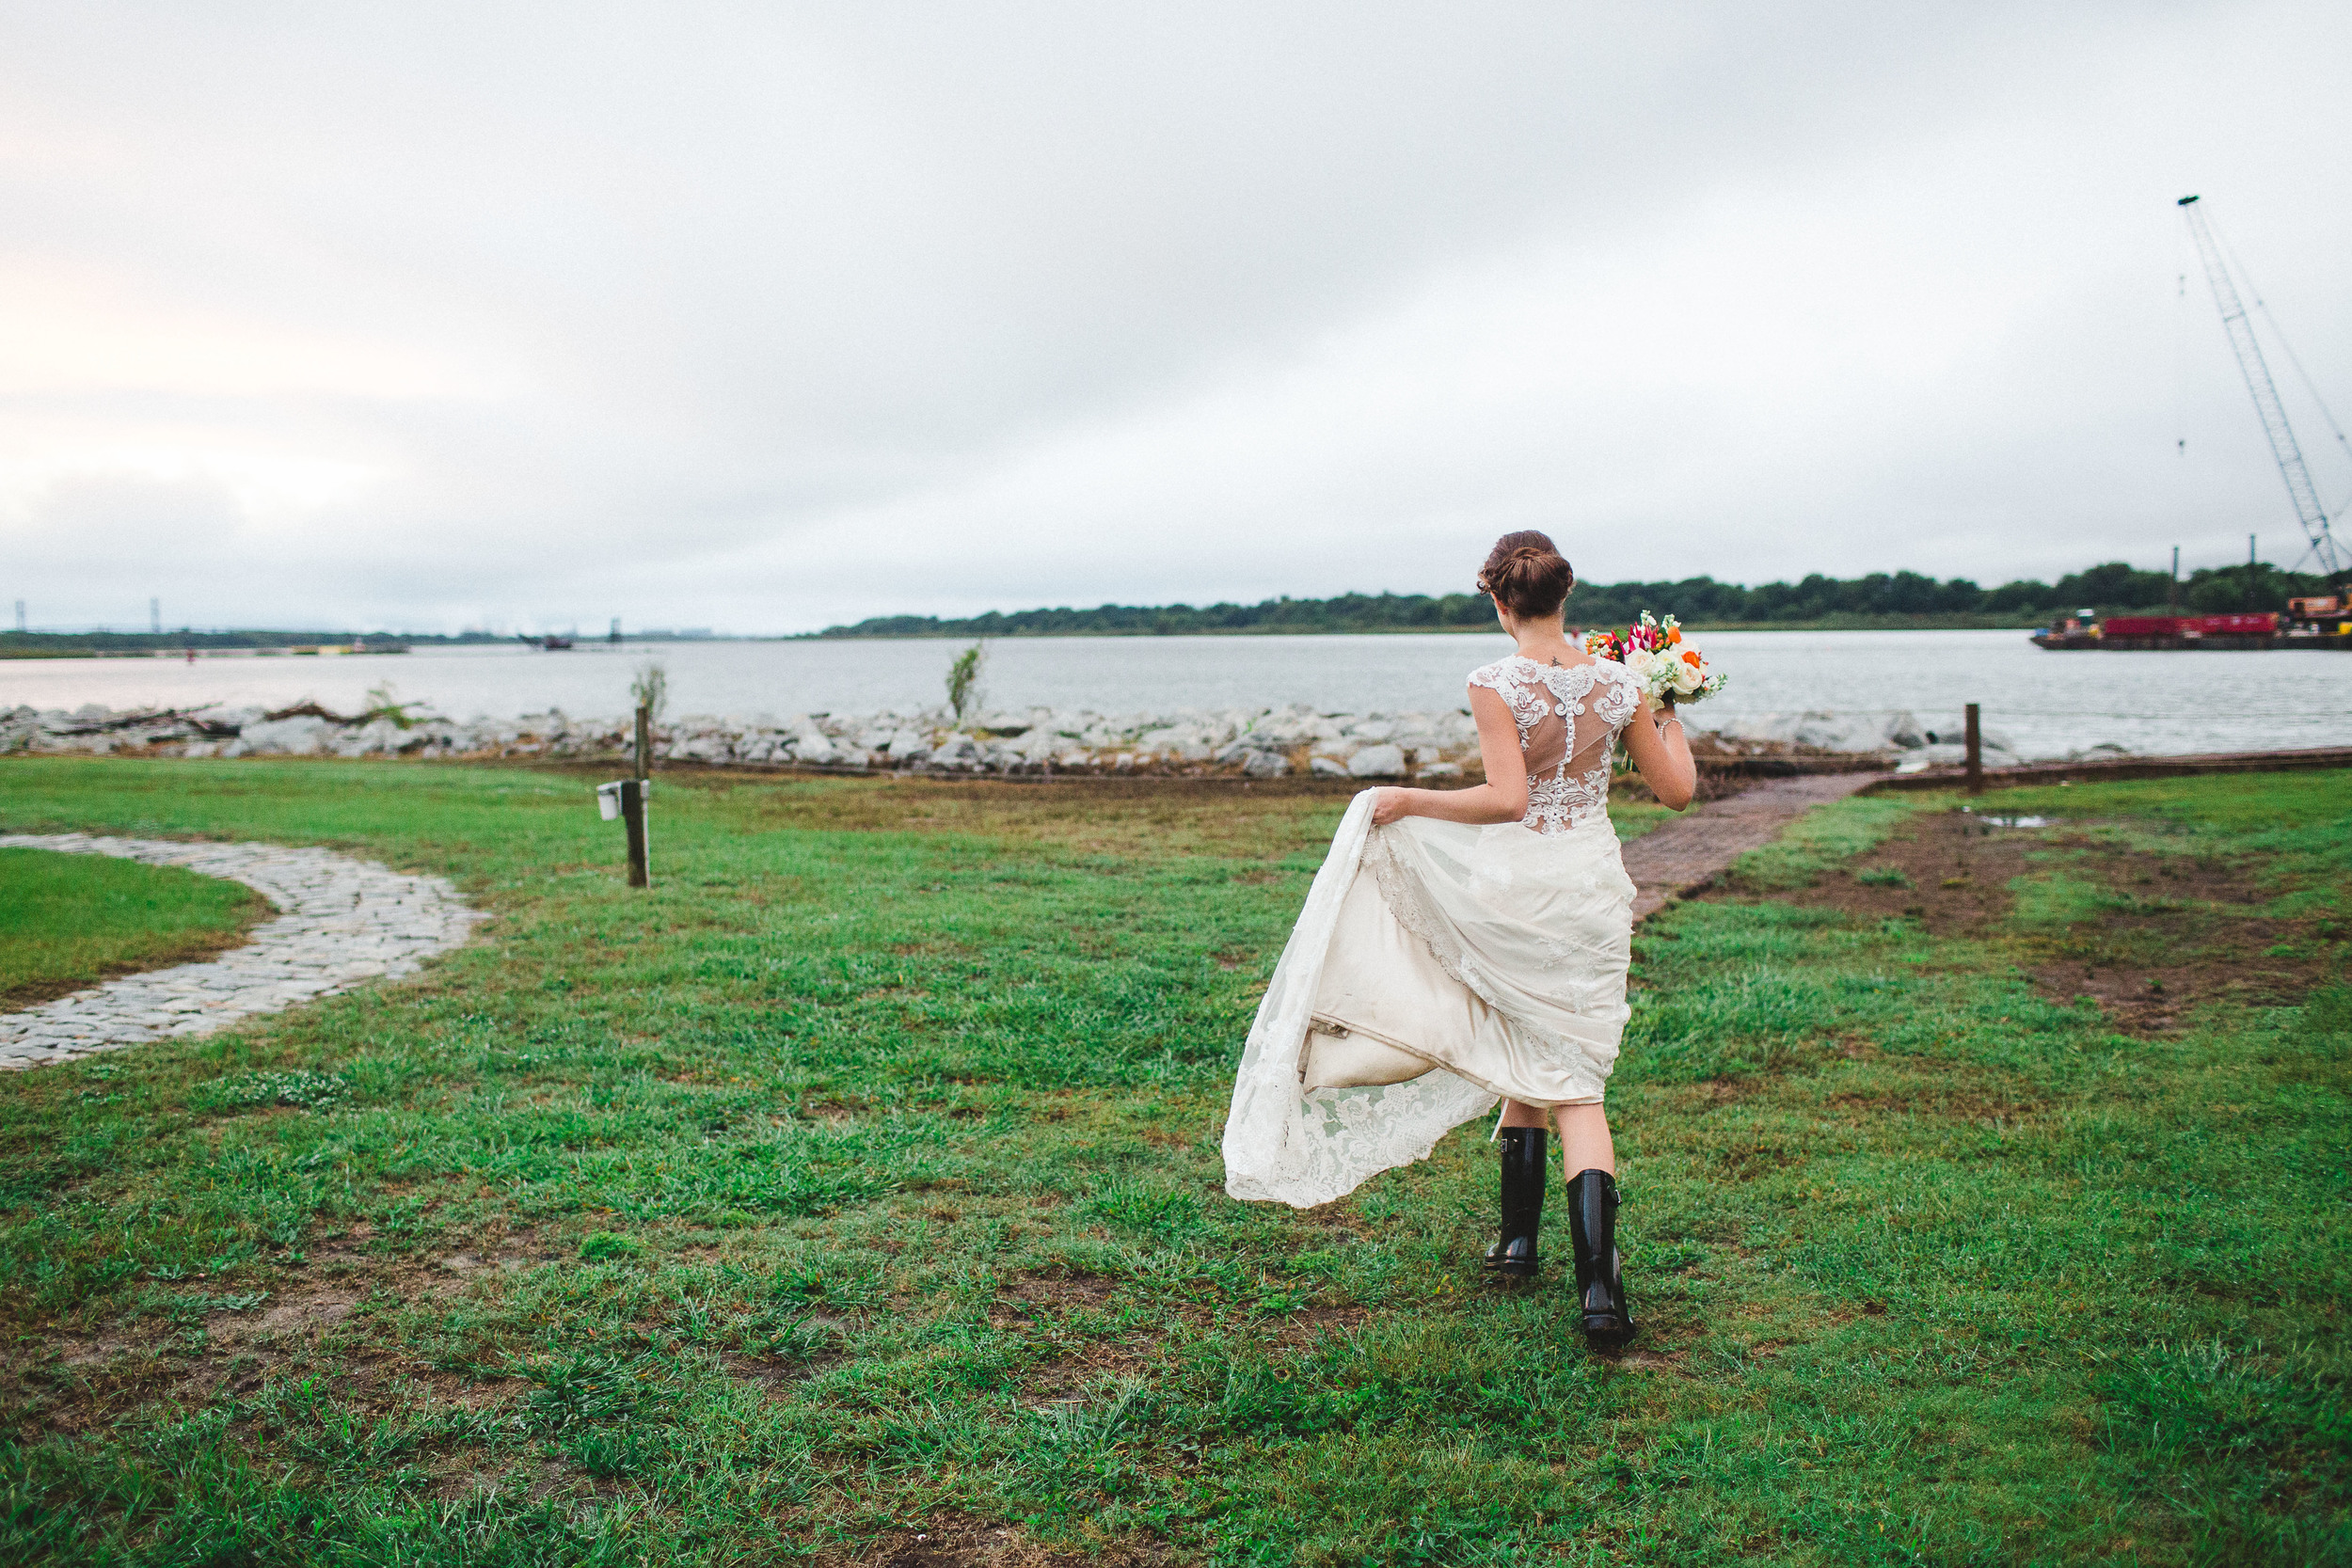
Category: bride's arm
[1655,743]
[1502,799]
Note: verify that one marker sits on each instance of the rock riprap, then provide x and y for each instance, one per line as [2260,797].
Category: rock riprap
[1264,743]
[343,922]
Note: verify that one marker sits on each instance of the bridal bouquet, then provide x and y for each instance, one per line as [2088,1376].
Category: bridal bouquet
[1670,669]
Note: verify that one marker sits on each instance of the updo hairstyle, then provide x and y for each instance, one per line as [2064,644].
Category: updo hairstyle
[1526,575]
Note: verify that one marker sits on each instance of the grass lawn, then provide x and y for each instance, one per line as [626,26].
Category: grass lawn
[1986,1204]
[70,921]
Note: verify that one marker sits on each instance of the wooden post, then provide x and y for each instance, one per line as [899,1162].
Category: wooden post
[1976,754]
[633,817]
[633,801]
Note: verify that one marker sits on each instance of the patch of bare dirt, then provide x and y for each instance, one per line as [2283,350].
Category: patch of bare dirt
[1945,1098]
[2186,933]
[461,1474]
[1307,1324]
[89,1378]
[466,1392]
[1066,1378]
[1947,871]
[303,1312]
[1031,1297]
[1035,1301]
[778,1375]
[494,1260]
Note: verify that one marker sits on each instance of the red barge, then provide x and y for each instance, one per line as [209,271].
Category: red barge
[2309,623]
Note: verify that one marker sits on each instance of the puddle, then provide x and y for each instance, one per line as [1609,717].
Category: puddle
[1992,821]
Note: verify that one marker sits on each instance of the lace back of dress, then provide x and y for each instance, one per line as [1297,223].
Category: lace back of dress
[1568,717]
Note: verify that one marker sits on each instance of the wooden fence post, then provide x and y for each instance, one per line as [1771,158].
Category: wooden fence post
[633,794]
[1976,754]
[633,818]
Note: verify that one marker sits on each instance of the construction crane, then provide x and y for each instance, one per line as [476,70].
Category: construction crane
[2273,414]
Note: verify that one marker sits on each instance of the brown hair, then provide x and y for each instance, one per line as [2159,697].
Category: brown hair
[1526,575]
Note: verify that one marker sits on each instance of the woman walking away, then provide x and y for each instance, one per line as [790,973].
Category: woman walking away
[1464,945]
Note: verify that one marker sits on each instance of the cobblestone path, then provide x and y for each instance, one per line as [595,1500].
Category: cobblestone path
[1692,849]
[343,922]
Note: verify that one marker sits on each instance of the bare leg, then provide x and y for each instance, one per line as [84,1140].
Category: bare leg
[1584,1141]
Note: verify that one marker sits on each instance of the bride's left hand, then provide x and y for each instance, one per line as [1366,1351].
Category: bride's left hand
[1387,805]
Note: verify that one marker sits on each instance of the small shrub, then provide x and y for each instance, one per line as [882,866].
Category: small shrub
[384,703]
[964,680]
[1884,876]
[651,688]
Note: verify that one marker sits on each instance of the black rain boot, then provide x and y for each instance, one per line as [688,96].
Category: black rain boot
[1599,1272]
[1523,1176]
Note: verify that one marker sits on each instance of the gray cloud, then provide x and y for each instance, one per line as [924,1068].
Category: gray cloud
[768,317]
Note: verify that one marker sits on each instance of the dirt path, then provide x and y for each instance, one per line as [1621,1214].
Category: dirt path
[1692,850]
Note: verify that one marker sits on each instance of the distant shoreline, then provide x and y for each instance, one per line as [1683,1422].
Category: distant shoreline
[1899,623]
[216,648]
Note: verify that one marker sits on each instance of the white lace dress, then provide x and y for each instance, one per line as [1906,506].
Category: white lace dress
[1438,966]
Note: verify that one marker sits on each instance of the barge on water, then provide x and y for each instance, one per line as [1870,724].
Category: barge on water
[2309,623]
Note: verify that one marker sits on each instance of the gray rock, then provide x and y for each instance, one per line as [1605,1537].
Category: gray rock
[1829,732]
[1326,767]
[303,736]
[1266,764]
[1377,762]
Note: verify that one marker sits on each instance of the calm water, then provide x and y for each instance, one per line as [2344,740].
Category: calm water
[2046,703]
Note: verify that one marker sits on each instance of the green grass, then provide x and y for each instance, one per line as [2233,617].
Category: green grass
[863,1174]
[1820,839]
[70,921]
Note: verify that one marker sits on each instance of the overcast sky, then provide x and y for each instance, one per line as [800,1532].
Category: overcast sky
[765,317]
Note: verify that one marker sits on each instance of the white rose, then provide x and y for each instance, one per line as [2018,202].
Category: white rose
[1649,669]
[1688,677]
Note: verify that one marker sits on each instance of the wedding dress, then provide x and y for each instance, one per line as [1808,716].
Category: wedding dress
[1438,966]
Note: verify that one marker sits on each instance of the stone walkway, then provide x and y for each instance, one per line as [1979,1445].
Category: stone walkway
[343,922]
[1691,851]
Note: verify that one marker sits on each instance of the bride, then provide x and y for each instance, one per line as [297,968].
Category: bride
[1462,946]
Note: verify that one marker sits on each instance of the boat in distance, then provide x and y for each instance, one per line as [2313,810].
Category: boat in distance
[2316,622]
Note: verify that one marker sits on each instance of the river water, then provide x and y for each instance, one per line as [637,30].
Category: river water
[2045,703]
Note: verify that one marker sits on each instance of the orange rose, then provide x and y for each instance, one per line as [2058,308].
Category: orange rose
[1690,657]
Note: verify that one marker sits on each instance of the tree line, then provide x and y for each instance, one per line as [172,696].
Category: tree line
[1882,599]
